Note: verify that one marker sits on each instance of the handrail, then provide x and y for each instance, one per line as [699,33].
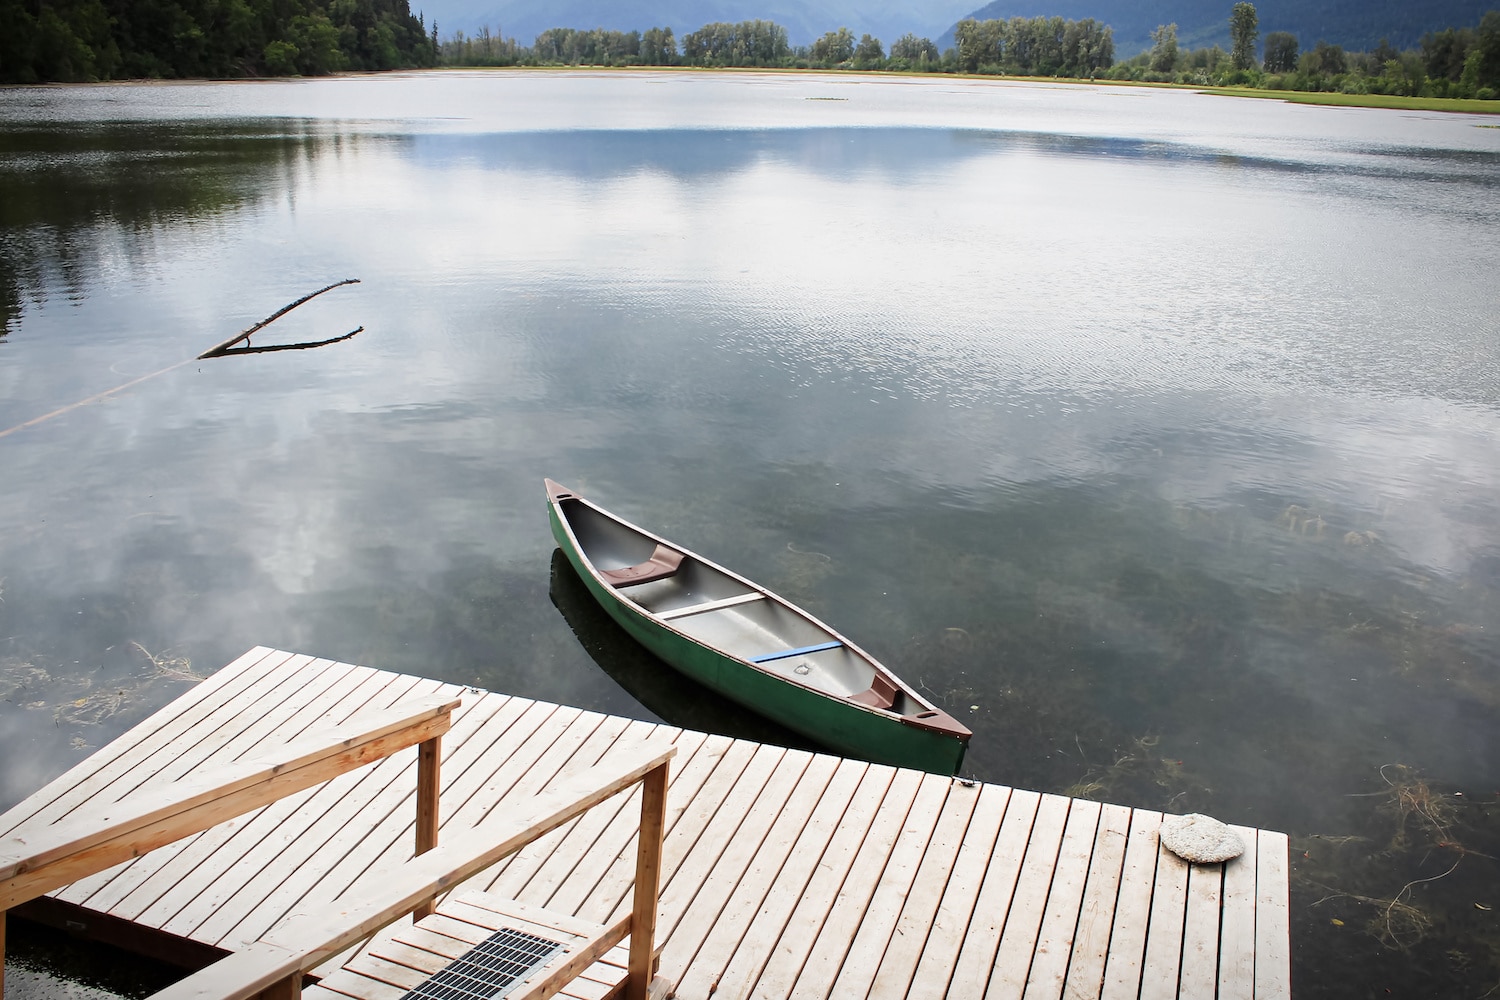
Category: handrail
[312,933]
[36,861]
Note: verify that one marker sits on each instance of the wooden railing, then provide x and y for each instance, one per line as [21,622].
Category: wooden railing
[318,929]
[39,858]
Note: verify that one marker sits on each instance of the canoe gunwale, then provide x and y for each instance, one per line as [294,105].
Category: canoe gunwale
[929,719]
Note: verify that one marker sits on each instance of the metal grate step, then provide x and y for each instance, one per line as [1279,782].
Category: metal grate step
[489,969]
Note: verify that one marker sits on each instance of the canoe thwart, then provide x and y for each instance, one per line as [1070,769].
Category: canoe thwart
[707,606]
[784,653]
[664,562]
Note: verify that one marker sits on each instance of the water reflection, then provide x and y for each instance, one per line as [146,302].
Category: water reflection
[903,154]
[75,198]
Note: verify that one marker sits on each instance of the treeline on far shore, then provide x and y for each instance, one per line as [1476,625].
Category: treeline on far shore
[75,40]
[1044,46]
[44,41]
[1460,62]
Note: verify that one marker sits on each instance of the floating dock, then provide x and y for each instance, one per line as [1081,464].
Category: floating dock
[784,873]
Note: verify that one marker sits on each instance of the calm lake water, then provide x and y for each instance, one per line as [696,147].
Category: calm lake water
[1157,435]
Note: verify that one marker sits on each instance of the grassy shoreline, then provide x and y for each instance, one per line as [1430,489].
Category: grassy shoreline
[1387,101]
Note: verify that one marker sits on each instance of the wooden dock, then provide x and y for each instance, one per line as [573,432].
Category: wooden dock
[785,873]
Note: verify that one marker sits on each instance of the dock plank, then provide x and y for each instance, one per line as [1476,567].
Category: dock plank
[950,926]
[1199,974]
[1023,923]
[1127,943]
[1054,943]
[976,959]
[941,801]
[392,835]
[824,847]
[472,761]
[718,916]
[1161,970]
[1100,894]
[278,868]
[891,792]
[1237,930]
[682,883]
[911,802]
[577,839]
[896,965]
[688,924]
[1273,956]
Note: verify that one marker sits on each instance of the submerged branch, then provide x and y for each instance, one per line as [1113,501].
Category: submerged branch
[226,352]
[219,349]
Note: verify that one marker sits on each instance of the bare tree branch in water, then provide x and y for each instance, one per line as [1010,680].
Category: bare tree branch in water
[220,349]
[308,345]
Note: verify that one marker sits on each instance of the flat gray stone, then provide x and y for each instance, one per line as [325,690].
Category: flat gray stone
[1200,839]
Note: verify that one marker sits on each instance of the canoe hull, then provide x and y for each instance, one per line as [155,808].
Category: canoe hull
[830,721]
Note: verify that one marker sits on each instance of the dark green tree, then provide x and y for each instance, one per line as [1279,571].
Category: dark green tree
[1327,60]
[1385,52]
[658,47]
[280,58]
[834,47]
[869,52]
[1088,47]
[979,43]
[1244,29]
[1164,48]
[912,49]
[1281,52]
[1487,51]
[317,43]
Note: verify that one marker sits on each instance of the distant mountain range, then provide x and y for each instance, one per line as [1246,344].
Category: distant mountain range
[1354,24]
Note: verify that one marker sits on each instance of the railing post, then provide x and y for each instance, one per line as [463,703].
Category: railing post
[289,988]
[2,954]
[429,766]
[647,882]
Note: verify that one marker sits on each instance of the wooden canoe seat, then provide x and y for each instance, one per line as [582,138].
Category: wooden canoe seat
[880,694]
[663,563]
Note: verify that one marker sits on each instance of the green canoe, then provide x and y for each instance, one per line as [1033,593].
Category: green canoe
[750,645]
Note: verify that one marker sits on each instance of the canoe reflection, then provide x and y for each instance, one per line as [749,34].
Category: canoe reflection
[662,691]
